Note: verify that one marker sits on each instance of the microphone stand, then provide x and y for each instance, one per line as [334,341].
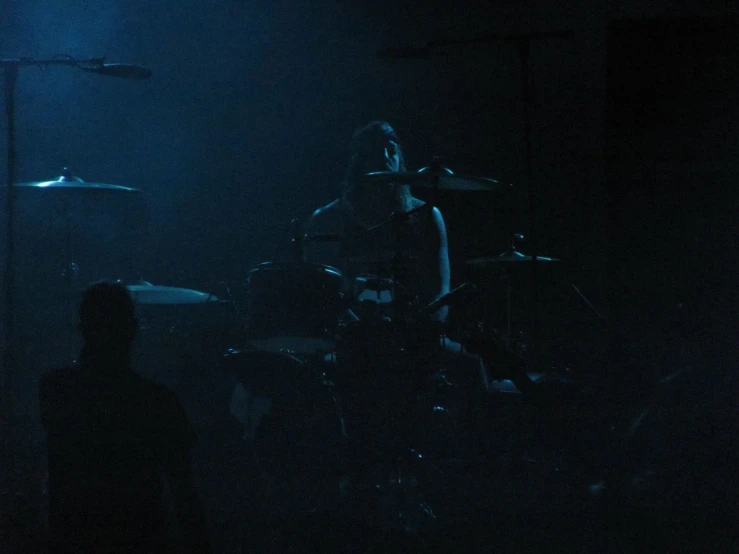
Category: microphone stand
[11,69]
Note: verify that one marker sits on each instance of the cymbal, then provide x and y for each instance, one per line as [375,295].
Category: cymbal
[441,178]
[161,295]
[72,185]
[509,259]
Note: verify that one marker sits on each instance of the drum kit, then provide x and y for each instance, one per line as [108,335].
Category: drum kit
[316,385]
[386,397]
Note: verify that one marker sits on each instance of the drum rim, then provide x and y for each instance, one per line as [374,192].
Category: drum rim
[272,266]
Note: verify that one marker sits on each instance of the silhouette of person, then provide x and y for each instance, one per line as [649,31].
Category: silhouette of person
[118,444]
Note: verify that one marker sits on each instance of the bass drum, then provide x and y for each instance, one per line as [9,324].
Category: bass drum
[293,427]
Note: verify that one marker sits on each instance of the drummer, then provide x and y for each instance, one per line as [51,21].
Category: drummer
[376,240]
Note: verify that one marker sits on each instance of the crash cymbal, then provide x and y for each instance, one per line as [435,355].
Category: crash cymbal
[161,295]
[509,259]
[68,184]
[73,187]
[441,178]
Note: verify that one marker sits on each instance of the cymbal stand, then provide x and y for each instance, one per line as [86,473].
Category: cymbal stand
[397,264]
[508,278]
[70,271]
[524,47]
[509,301]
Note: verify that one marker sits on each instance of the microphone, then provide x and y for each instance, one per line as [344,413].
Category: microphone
[123,70]
[451,297]
[298,239]
[407,53]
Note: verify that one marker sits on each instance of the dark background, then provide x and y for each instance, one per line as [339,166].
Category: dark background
[246,120]
[245,124]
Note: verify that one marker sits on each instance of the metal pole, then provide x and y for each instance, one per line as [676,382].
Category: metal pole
[524,50]
[11,68]
[11,76]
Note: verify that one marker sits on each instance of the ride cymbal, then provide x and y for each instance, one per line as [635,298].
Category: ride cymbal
[441,178]
[509,259]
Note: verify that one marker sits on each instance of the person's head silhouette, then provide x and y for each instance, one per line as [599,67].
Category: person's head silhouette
[107,319]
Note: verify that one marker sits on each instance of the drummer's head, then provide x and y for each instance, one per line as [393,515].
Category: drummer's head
[107,318]
[375,147]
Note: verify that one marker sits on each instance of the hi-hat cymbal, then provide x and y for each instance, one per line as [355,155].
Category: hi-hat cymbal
[441,178]
[508,260]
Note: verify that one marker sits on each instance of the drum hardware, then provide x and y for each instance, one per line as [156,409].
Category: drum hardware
[230,299]
[390,492]
[298,240]
[459,295]
[405,303]
[397,218]
[512,265]
[508,264]
[400,419]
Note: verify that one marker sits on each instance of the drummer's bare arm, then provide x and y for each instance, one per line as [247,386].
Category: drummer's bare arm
[442,262]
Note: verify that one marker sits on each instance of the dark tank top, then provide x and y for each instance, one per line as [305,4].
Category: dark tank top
[407,251]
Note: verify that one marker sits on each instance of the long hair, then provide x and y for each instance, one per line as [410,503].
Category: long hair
[365,144]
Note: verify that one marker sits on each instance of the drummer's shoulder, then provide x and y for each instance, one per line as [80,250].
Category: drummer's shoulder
[436,215]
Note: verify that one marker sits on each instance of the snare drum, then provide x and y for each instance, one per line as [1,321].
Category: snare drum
[293,307]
